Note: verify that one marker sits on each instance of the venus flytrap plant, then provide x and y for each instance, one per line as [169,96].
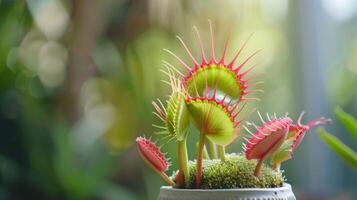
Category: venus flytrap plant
[211,94]
[213,118]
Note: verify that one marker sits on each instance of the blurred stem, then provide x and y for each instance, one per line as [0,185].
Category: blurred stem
[205,153]
[222,152]
[212,149]
[199,160]
[183,160]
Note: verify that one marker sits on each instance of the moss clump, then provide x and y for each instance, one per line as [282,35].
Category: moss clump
[235,172]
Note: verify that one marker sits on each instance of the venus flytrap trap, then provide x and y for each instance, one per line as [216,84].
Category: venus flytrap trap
[294,137]
[277,139]
[266,140]
[152,155]
[211,94]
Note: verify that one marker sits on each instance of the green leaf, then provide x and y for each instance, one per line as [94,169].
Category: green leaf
[348,121]
[283,153]
[339,147]
[213,120]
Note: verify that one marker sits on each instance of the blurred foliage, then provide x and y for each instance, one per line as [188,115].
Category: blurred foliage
[77,79]
[345,152]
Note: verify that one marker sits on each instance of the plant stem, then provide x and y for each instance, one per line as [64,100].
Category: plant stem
[167,179]
[183,160]
[258,167]
[212,149]
[222,152]
[199,160]
[205,153]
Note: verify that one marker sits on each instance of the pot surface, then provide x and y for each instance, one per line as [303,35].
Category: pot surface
[281,193]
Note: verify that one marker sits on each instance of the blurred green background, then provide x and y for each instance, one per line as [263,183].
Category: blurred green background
[77,79]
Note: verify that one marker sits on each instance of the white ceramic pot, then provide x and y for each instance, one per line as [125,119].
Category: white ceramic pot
[281,193]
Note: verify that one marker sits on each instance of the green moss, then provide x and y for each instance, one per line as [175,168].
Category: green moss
[235,172]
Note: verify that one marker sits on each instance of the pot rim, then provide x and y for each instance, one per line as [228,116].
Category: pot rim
[286,186]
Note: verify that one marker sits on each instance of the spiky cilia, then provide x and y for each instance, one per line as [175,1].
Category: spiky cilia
[230,76]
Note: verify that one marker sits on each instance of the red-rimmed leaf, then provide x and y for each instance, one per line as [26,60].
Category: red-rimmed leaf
[268,137]
[152,154]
